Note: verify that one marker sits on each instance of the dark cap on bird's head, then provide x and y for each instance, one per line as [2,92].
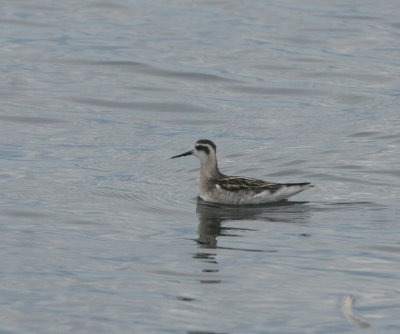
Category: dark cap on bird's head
[208,142]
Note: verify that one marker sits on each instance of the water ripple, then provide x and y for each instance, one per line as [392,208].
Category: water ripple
[35,120]
[164,106]
[157,71]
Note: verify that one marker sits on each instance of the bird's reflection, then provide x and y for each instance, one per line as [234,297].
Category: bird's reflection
[212,225]
[212,215]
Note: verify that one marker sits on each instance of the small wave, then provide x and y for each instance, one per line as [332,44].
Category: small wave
[162,106]
[365,134]
[276,90]
[35,120]
[144,68]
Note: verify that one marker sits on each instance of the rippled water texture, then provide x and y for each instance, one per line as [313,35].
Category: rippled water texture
[100,232]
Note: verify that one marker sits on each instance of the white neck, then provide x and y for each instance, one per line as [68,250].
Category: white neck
[209,168]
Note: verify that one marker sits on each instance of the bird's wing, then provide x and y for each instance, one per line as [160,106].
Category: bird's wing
[235,183]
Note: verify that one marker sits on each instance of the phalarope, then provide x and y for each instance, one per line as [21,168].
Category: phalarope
[213,186]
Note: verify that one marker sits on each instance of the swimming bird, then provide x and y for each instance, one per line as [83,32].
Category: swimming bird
[213,186]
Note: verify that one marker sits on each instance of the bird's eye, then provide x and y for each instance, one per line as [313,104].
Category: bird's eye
[202,148]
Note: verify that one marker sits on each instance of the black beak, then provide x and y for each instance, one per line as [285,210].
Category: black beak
[183,154]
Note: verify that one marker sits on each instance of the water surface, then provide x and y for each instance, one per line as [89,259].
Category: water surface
[101,232]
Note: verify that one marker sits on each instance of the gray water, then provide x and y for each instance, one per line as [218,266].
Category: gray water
[100,232]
